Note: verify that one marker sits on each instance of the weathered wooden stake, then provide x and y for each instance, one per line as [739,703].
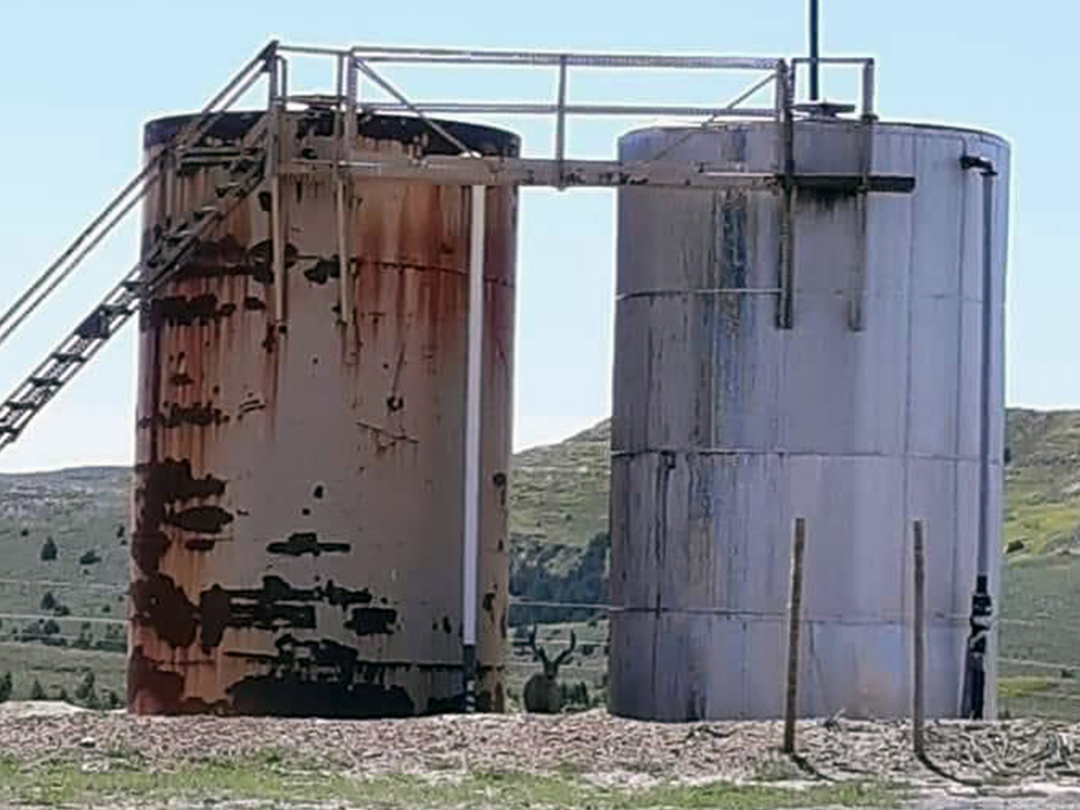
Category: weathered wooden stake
[917,734]
[794,616]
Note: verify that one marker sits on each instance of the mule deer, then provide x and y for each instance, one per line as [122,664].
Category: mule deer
[542,693]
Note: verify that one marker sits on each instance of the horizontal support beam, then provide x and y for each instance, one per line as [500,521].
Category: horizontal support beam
[591,173]
[511,108]
[538,58]
[537,172]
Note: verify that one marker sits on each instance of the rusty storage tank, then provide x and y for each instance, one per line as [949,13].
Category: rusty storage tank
[726,428]
[297,541]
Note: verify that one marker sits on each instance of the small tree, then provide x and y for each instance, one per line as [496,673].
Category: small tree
[5,687]
[89,558]
[36,691]
[48,550]
[48,601]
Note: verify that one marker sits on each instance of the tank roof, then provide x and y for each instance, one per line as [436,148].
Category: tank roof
[745,124]
[403,129]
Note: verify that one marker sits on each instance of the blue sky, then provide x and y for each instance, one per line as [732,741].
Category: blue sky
[78,80]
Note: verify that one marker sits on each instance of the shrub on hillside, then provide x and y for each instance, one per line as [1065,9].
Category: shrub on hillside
[48,550]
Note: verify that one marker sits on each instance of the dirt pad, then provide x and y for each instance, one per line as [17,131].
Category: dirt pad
[1017,759]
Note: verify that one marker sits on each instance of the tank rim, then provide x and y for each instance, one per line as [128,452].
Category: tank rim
[409,130]
[883,124]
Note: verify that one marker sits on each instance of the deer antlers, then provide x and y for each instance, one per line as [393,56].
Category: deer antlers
[562,657]
[538,652]
[551,667]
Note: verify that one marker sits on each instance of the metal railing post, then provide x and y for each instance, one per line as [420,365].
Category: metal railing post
[341,194]
[273,167]
[560,124]
[786,156]
[868,112]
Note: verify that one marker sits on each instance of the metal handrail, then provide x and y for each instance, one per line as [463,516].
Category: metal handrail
[117,209]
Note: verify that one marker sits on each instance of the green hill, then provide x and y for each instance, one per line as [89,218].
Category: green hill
[558,524]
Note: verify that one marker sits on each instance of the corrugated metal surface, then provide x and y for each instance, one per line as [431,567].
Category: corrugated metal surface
[298,514]
[726,428]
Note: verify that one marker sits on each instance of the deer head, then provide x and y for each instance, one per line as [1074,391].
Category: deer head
[551,668]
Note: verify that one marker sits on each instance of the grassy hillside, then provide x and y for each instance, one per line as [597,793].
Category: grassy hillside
[559,513]
[559,492]
[83,513]
[1042,505]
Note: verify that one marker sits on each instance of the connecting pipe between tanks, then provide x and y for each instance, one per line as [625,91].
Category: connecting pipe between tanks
[974,695]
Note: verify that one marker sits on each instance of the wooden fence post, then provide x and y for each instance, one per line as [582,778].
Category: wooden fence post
[794,618]
[919,647]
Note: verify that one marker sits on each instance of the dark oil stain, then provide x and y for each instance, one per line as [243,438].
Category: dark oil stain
[205,519]
[300,543]
[446,626]
[445,705]
[317,493]
[265,201]
[370,621]
[274,606]
[489,602]
[269,343]
[253,304]
[305,511]
[158,602]
[323,270]
[260,259]
[180,379]
[226,258]
[149,687]
[249,406]
[261,609]
[197,414]
[179,310]
[161,485]
[318,679]
[395,403]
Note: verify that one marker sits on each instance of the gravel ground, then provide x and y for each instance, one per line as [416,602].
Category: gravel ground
[1014,759]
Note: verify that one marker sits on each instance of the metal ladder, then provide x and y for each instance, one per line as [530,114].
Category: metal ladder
[245,165]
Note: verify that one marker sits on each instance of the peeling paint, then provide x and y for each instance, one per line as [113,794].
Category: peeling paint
[301,543]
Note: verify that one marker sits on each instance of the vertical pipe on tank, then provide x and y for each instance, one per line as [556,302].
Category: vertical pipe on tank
[974,692]
[277,247]
[341,197]
[472,441]
[814,50]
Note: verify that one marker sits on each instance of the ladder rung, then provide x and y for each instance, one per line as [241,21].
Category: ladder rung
[17,405]
[205,211]
[9,429]
[132,286]
[68,357]
[45,382]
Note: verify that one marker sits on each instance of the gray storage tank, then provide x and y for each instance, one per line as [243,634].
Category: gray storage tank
[725,427]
